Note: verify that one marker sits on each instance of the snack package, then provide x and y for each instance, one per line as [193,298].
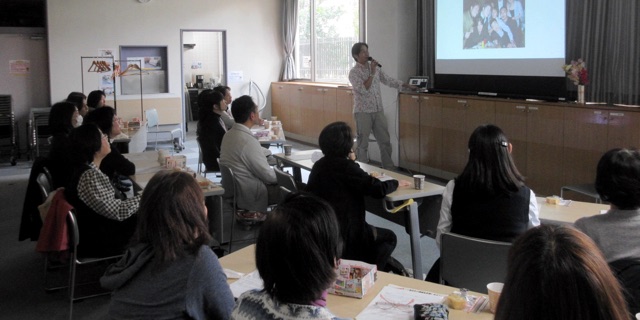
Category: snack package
[354,279]
[430,311]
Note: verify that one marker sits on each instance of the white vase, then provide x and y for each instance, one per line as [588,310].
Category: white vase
[581,93]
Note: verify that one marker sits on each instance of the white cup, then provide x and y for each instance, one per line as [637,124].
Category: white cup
[494,289]
[287,149]
[638,316]
[418,181]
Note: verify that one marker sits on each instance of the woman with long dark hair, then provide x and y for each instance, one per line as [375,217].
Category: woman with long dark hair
[63,117]
[211,127]
[169,272]
[489,199]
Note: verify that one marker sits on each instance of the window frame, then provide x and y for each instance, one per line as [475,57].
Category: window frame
[362,37]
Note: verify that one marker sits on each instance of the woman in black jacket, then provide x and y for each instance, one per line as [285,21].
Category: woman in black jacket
[339,180]
[211,127]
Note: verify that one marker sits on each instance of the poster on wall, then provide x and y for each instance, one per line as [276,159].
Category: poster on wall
[148,63]
[106,84]
[19,67]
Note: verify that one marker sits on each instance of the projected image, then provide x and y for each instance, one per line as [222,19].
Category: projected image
[493,24]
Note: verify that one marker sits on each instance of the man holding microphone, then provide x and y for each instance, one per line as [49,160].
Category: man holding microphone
[365,77]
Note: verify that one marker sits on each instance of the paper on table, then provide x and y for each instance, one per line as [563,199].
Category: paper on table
[245,283]
[232,274]
[394,302]
[385,178]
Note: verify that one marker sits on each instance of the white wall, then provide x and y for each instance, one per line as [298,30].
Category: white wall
[82,27]
[391,36]
[30,90]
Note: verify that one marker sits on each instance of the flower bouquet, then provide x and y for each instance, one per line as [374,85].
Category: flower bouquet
[577,72]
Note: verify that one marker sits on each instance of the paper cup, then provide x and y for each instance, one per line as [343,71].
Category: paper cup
[418,181]
[494,289]
[638,316]
[287,149]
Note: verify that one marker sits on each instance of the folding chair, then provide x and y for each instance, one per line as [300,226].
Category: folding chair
[230,186]
[153,126]
[75,261]
[472,263]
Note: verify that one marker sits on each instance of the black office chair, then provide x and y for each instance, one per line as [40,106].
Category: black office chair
[472,263]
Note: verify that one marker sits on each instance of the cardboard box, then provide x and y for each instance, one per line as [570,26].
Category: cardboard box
[355,278]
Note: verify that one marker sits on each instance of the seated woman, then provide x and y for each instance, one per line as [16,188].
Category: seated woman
[618,182]
[226,115]
[114,164]
[63,117]
[80,101]
[557,272]
[489,199]
[297,253]
[96,99]
[339,180]
[105,222]
[169,272]
[211,127]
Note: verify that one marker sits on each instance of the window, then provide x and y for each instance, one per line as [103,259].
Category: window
[326,31]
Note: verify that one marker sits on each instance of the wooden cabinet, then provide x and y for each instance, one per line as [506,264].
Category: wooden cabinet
[460,116]
[300,103]
[344,107]
[431,135]
[536,133]
[554,144]
[591,132]
[623,130]
[306,108]
[321,113]
[280,106]
[420,128]
[409,131]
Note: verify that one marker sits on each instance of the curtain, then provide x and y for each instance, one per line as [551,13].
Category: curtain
[606,34]
[289,28]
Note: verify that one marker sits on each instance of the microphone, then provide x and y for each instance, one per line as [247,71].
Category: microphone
[379,65]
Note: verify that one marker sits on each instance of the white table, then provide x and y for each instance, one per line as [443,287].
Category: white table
[560,214]
[273,138]
[244,261]
[147,166]
[302,160]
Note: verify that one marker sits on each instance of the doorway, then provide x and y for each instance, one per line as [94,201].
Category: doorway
[204,65]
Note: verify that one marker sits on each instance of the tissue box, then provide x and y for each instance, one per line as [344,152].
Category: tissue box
[355,278]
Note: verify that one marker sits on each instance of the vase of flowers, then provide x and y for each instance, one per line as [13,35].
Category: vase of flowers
[577,72]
